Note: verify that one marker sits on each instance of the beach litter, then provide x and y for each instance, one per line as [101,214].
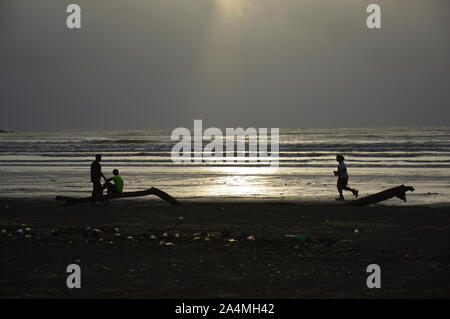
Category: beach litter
[3,231]
[356,231]
[226,234]
[251,237]
[152,237]
[232,240]
[298,236]
[19,231]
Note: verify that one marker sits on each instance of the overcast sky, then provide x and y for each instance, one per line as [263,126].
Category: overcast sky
[259,63]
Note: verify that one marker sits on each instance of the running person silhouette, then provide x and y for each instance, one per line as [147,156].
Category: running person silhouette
[342,180]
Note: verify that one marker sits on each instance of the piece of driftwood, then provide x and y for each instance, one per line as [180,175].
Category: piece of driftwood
[399,191]
[150,191]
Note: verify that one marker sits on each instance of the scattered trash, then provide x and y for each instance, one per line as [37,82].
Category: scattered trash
[226,234]
[177,235]
[181,218]
[232,240]
[130,237]
[28,229]
[19,231]
[3,231]
[117,235]
[161,242]
[27,236]
[356,231]
[196,238]
[170,244]
[251,237]
[97,230]
[116,229]
[165,235]
[152,237]
[216,234]
[298,236]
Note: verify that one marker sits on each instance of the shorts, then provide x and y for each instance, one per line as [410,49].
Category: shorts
[112,189]
[342,181]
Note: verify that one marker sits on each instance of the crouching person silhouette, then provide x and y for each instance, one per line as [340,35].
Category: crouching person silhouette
[117,187]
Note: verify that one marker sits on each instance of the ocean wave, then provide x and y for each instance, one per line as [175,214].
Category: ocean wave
[171,164]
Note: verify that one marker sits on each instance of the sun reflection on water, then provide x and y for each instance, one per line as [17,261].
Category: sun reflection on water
[240,181]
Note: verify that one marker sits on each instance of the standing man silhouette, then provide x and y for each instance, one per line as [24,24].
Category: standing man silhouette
[96,174]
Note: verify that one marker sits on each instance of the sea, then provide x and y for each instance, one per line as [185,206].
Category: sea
[43,164]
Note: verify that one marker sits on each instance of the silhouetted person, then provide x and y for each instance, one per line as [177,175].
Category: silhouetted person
[342,181]
[96,174]
[117,187]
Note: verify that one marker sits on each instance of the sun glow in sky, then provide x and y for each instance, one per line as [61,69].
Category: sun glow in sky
[237,9]
[249,63]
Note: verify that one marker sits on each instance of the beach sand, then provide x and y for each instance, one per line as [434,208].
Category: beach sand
[409,243]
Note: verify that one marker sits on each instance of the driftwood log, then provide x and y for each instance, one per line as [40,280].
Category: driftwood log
[150,191]
[399,192]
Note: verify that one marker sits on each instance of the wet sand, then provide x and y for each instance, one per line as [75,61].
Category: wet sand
[232,249]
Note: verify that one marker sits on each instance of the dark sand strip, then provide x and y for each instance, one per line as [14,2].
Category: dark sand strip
[409,243]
